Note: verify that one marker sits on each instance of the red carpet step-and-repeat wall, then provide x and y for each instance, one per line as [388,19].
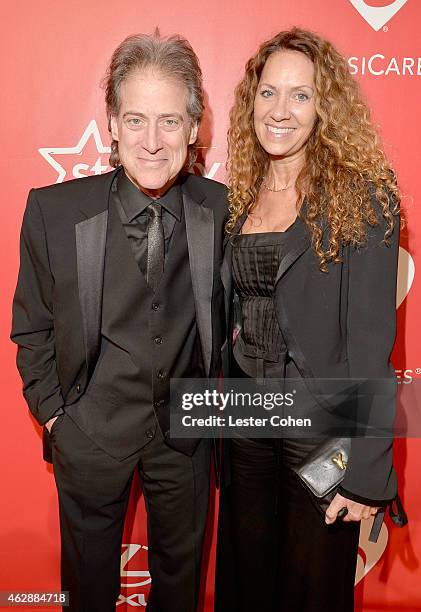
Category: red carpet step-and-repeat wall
[54,55]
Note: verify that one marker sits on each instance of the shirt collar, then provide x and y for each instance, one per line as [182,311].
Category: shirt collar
[135,202]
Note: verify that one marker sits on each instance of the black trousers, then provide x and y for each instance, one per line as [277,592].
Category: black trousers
[93,490]
[275,553]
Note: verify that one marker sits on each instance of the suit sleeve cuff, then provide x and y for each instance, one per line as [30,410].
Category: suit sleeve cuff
[363,500]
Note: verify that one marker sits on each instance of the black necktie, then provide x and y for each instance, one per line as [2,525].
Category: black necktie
[155,262]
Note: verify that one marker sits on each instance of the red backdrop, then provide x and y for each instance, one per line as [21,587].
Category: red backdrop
[54,56]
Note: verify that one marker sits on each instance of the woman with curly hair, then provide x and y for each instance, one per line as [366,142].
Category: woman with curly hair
[312,258]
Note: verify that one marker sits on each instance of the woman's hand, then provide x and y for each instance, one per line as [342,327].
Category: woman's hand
[356,511]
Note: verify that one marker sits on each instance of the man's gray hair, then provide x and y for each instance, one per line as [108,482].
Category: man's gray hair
[172,56]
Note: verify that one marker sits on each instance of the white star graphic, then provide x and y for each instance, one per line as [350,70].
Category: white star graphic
[91,130]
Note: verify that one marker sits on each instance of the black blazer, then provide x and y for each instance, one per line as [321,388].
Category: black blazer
[58,300]
[341,324]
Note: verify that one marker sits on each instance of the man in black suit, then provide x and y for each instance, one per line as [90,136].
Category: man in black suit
[118,292]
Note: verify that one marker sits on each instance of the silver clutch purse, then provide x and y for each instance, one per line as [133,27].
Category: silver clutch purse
[323,470]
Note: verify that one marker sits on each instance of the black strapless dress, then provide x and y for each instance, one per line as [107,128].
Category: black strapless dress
[260,348]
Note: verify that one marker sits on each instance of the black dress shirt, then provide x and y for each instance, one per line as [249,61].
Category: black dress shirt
[133,205]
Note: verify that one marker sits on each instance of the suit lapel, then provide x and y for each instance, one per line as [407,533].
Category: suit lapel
[200,241]
[90,246]
[226,278]
[226,268]
[300,244]
[91,237]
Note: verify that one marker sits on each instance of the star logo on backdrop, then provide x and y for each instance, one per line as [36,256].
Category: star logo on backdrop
[90,147]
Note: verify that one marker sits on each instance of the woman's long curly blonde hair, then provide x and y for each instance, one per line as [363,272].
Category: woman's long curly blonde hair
[344,160]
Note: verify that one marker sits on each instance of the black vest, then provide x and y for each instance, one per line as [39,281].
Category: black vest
[147,338]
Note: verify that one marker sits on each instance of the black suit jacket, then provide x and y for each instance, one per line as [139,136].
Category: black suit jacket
[341,324]
[58,300]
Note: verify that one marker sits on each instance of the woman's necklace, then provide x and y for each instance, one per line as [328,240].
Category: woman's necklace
[265,185]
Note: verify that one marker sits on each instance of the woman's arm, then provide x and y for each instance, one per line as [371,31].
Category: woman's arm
[370,479]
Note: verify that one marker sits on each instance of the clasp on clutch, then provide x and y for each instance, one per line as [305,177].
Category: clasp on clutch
[339,461]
